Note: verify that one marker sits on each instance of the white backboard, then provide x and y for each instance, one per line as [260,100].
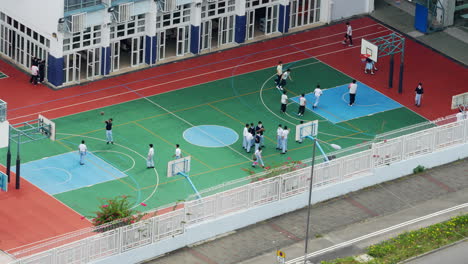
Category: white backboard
[370,49]
[306,129]
[178,165]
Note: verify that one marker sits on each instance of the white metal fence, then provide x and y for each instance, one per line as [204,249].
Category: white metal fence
[254,194]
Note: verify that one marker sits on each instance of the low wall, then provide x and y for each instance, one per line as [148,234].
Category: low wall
[240,219]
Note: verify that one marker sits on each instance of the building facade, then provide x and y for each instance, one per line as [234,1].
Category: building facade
[83,40]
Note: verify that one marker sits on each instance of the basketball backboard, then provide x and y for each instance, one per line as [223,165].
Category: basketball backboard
[179,165]
[306,129]
[460,101]
[369,49]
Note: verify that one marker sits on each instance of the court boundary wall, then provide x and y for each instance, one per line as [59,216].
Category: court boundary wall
[202,219]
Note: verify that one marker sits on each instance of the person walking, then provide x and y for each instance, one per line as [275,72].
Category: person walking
[419,93]
[258,158]
[260,128]
[317,92]
[284,102]
[109,131]
[34,74]
[348,35]
[41,71]
[352,87]
[82,149]
[244,134]
[302,104]
[178,152]
[279,136]
[279,72]
[284,140]
[284,77]
[150,157]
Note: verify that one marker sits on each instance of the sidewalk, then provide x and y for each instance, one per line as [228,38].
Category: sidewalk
[453,41]
[339,220]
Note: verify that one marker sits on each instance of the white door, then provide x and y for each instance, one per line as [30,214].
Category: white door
[162,45]
[181,36]
[138,49]
[250,24]
[92,63]
[77,67]
[271,19]
[72,67]
[115,56]
[223,31]
[206,34]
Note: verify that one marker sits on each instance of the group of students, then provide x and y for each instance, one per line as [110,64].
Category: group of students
[37,71]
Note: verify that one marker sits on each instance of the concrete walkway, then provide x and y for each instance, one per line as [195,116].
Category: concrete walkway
[340,220]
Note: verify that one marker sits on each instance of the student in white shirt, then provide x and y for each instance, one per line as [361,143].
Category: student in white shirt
[34,74]
[284,77]
[82,149]
[258,158]
[244,133]
[302,104]
[352,92]
[348,35]
[178,152]
[250,139]
[317,92]
[284,102]
[149,158]
[279,136]
[285,140]
[279,72]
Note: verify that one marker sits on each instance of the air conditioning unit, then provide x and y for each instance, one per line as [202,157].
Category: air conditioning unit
[167,6]
[76,23]
[125,12]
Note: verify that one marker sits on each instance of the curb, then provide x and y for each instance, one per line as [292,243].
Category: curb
[433,251]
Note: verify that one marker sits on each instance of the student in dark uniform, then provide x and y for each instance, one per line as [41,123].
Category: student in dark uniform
[109,131]
[260,129]
[41,71]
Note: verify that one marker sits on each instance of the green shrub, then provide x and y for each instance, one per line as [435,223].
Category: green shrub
[419,169]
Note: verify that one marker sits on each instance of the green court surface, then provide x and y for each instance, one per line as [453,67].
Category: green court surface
[229,102]
[2,75]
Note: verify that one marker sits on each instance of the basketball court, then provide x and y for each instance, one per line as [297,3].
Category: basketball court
[203,104]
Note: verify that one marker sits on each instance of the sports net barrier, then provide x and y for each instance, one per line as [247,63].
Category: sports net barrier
[255,190]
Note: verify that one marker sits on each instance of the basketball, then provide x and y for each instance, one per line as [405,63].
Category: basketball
[102,113]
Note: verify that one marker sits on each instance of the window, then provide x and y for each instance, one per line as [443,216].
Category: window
[78,4]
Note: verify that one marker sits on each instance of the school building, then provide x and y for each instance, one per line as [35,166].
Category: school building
[84,40]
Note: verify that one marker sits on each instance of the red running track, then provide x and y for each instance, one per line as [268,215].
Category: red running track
[30,215]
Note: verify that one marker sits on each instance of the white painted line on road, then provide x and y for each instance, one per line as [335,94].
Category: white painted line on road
[376,233]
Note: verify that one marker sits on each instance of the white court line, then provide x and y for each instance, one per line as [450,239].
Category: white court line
[192,125]
[138,154]
[376,233]
[195,76]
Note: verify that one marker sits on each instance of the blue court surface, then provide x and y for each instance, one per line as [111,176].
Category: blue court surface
[210,136]
[63,172]
[334,103]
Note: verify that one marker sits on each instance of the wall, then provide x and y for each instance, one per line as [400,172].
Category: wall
[40,15]
[346,8]
[210,229]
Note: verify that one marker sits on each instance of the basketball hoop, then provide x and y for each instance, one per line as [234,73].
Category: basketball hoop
[364,57]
